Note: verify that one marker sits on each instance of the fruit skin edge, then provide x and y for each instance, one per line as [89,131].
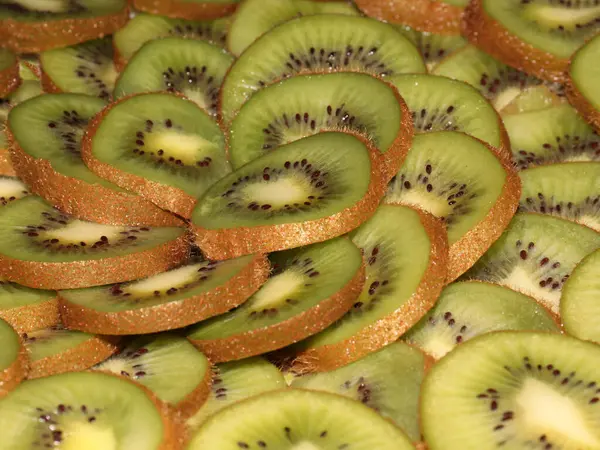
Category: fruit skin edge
[182,10]
[12,376]
[10,79]
[36,316]
[581,104]
[6,167]
[187,407]
[48,85]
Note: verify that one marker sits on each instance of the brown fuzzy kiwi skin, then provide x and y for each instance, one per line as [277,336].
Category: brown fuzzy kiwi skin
[12,376]
[581,104]
[489,35]
[118,59]
[185,10]
[290,331]
[9,78]
[169,315]
[6,166]
[48,85]
[32,317]
[92,202]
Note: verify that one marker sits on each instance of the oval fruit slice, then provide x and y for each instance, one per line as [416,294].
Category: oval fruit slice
[27,309]
[9,72]
[434,47]
[13,359]
[188,9]
[309,288]
[173,299]
[582,88]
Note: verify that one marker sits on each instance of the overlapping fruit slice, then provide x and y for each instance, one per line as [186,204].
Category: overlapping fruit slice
[173,299]
[188,9]
[9,72]
[582,86]
[43,248]
[158,145]
[27,309]
[13,359]
[309,288]
[435,47]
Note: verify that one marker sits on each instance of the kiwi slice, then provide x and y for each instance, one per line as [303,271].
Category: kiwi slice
[235,381]
[256,17]
[158,145]
[536,255]
[514,390]
[464,182]
[12,189]
[551,135]
[173,299]
[387,381]
[299,419]
[533,98]
[433,46]
[309,288]
[86,68]
[188,9]
[405,251]
[13,359]
[168,365]
[471,308]
[318,43]
[193,68]
[581,86]
[307,191]
[9,71]
[85,410]
[315,103]
[27,309]
[43,248]
[29,67]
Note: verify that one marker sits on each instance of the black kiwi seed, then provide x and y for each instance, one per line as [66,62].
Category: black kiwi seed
[49,421]
[199,30]
[69,128]
[569,210]
[565,148]
[192,77]
[435,120]
[551,277]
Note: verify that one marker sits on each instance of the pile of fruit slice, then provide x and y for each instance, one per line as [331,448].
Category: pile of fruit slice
[299,224]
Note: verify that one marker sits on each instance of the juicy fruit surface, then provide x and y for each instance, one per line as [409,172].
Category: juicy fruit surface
[13,295]
[10,346]
[36,11]
[12,189]
[51,342]
[299,419]
[25,91]
[434,47]
[514,389]
[584,73]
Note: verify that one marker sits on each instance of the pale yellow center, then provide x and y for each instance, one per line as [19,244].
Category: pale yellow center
[554,16]
[82,435]
[181,146]
[80,231]
[11,187]
[429,202]
[277,193]
[55,6]
[520,280]
[277,289]
[164,280]
[506,97]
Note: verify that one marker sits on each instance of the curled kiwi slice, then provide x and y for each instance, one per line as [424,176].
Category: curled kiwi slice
[168,365]
[191,67]
[318,43]
[406,254]
[173,299]
[536,255]
[188,9]
[27,309]
[13,359]
[158,145]
[514,390]
[582,87]
[309,288]
[85,410]
[9,71]
[43,248]
[471,308]
[433,46]
[467,184]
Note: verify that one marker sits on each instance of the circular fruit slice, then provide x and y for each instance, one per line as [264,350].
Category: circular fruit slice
[43,248]
[193,68]
[514,389]
[188,9]
[160,146]
[537,37]
[27,309]
[317,103]
[310,288]
[466,183]
[582,88]
[301,419]
[56,350]
[308,191]
[387,381]
[85,411]
[535,256]
[433,47]
[9,72]
[406,253]
[468,309]
[169,300]
[319,43]
[13,359]
[45,135]
[35,26]
[168,365]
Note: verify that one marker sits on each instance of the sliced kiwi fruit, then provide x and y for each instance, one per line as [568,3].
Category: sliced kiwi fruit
[169,365]
[173,299]
[27,309]
[582,88]
[191,67]
[13,359]
[470,308]
[256,17]
[235,381]
[533,98]
[317,103]
[29,67]
[158,145]
[188,9]
[302,419]
[319,43]
[536,255]
[309,288]
[514,390]
[307,191]
[43,248]
[551,135]
[85,410]
[406,253]
[86,68]
[9,72]
[12,189]
[433,46]
[387,381]
[467,184]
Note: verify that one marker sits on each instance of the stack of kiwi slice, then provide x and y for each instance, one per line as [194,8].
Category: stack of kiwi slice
[299,224]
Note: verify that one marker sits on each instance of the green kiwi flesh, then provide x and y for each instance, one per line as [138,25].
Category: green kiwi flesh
[314,103]
[387,381]
[193,68]
[515,390]
[533,98]
[49,10]
[319,43]
[468,309]
[14,296]
[80,410]
[584,72]
[434,47]
[25,91]
[535,256]
[299,419]
[11,347]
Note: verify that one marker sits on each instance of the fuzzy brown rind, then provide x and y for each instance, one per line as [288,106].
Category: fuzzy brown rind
[32,317]
[6,166]
[169,315]
[185,10]
[9,78]
[12,376]
[582,105]
[48,85]
[118,59]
